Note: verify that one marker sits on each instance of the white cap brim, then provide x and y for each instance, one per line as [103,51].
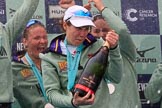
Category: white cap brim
[81,21]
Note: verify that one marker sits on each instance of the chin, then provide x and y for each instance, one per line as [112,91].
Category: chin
[77,44]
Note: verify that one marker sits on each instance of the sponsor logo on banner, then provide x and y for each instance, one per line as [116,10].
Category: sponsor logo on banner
[142,58]
[54,15]
[143,80]
[3,11]
[141,19]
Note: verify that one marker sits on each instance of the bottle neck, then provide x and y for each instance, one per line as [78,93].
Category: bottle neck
[106,44]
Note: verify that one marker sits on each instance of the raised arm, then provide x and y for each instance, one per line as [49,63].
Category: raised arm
[127,46]
[17,23]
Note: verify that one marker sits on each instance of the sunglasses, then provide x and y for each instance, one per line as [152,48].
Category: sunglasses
[32,22]
[101,30]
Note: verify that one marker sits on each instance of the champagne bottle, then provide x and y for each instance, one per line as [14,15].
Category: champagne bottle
[93,72]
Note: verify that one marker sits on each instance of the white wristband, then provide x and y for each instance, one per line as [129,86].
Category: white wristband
[48,105]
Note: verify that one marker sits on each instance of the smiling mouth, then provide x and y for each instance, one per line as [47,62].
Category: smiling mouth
[41,49]
[80,39]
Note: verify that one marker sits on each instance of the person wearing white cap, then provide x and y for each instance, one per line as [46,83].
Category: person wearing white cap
[67,56]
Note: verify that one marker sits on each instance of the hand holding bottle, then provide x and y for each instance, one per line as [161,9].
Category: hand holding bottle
[92,73]
[112,38]
[88,99]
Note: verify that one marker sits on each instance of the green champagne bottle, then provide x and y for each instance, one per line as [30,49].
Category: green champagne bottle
[93,72]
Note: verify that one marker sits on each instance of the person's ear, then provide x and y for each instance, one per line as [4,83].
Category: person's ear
[64,25]
[24,43]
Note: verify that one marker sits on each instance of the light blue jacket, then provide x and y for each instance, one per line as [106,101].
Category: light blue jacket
[126,93]
[26,88]
[8,33]
[55,73]
[153,91]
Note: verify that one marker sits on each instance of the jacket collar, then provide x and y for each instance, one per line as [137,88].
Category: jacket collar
[56,47]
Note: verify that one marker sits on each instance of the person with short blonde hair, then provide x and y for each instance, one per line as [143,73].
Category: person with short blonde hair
[26,68]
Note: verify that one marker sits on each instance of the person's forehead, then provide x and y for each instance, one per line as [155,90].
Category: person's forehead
[84,27]
[100,23]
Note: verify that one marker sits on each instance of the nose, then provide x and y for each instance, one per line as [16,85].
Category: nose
[43,40]
[83,32]
[101,34]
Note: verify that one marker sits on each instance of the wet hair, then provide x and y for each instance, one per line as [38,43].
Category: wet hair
[61,22]
[68,23]
[97,16]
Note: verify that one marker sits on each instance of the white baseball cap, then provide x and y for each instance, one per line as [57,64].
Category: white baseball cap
[78,16]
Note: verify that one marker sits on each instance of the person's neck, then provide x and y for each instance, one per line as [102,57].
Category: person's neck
[36,61]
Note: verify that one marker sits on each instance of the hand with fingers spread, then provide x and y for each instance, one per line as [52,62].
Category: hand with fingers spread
[66,3]
[98,4]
